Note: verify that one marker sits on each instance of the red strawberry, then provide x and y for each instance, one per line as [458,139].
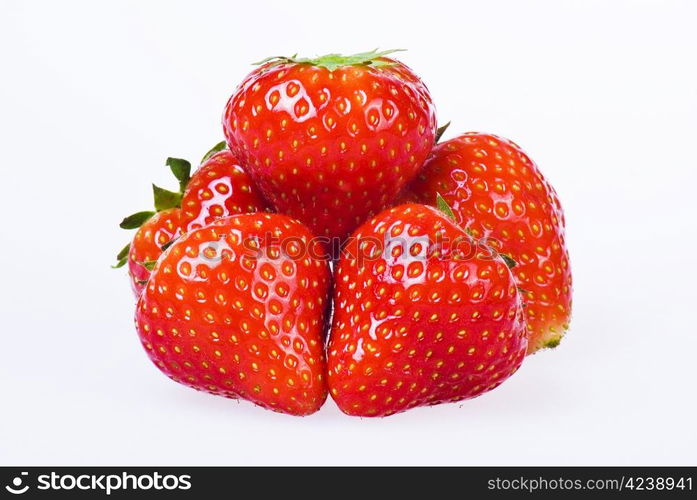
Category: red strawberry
[155,228]
[237,309]
[499,193]
[421,316]
[220,187]
[331,140]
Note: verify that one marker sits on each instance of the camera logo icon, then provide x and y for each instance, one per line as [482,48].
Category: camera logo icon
[16,487]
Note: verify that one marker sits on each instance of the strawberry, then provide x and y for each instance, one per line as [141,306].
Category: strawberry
[422,315]
[155,228]
[238,308]
[331,140]
[499,194]
[220,187]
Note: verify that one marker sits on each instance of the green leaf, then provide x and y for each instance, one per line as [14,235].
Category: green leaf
[136,220]
[444,207]
[441,131]
[508,260]
[124,251]
[120,263]
[165,199]
[215,149]
[334,61]
[122,257]
[181,170]
[149,264]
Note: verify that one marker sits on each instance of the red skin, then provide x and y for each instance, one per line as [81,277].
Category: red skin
[413,329]
[220,187]
[223,318]
[331,148]
[147,244]
[498,192]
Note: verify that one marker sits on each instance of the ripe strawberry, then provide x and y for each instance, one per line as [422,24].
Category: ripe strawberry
[421,315]
[155,228]
[220,187]
[498,193]
[237,309]
[331,140]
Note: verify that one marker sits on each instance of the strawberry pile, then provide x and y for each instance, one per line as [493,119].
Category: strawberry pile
[331,245]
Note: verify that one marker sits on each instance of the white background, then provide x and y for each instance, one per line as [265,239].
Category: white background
[95,95]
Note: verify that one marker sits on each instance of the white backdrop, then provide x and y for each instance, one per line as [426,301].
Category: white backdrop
[94,96]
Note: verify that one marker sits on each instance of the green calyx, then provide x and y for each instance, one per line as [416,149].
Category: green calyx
[332,62]
[163,199]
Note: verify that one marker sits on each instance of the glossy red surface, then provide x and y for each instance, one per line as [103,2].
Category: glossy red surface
[421,316]
[232,311]
[220,187]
